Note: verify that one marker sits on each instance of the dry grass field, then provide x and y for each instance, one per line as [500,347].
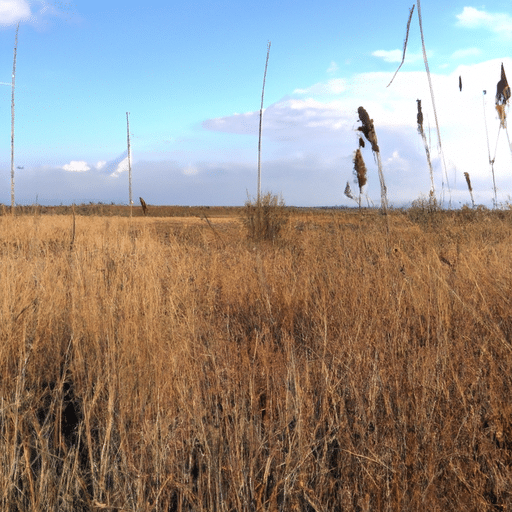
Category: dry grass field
[352,363]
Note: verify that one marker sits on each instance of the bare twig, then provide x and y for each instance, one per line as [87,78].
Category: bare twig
[261,121]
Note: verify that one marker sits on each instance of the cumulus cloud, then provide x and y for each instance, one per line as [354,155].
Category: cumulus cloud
[122,166]
[33,11]
[499,23]
[113,167]
[466,52]
[334,86]
[13,11]
[310,124]
[76,166]
[395,56]
[190,170]
[333,67]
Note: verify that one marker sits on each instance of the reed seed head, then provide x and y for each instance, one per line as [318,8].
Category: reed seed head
[144,205]
[368,128]
[360,169]
[468,181]
[419,118]
[348,192]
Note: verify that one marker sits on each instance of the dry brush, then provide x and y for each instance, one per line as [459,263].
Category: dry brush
[153,368]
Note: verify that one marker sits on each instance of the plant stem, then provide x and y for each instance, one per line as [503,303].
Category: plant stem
[129,163]
[261,120]
[12,116]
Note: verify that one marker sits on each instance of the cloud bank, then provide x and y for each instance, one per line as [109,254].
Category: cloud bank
[498,23]
[309,138]
[13,12]
[320,124]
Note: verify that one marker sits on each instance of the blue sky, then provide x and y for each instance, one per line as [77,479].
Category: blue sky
[190,74]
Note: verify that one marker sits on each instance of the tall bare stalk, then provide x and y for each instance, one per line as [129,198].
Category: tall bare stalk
[12,115]
[433,101]
[429,84]
[405,43]
[491,160]
[419,119]
[129,162]
[261,120]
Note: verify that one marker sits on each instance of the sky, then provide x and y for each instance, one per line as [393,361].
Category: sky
[190,75]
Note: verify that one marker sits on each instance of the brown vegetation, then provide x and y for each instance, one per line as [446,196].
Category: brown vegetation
[155,366]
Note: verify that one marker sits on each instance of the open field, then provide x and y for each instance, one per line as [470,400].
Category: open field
[354,363]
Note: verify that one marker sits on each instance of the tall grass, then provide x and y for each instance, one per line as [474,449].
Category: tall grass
[152,368]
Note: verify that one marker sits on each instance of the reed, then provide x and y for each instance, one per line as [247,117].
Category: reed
[470,188]
[144,206]
[419,119]
[368,130]
[13,86]
[261,122]
[427,70]
[349,194]
[360,172]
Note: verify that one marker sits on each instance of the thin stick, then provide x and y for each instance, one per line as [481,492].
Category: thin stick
[12,116]
[129,163]
[405,44]
[419,119]
[261,120]
[491,160]
[433,102]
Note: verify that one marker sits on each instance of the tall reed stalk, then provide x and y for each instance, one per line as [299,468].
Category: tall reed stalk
[491,160]
[419,119]
[433,101]
[368,129]
[261,122]
[129,162]
[12,115]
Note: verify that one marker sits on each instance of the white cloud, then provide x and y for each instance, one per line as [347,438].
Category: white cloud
[122,166]
[395,56]
[13,11]
[190,170]
[34,11]
[76,166]
[389,55]
[499,23]
[333,67]
[333,86]
[311,123]
[466,52]
[111,168]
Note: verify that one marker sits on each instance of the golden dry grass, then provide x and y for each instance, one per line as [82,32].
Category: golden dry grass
[158,366]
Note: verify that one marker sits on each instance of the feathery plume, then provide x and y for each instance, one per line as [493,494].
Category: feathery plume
[470,188]
[144,205]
